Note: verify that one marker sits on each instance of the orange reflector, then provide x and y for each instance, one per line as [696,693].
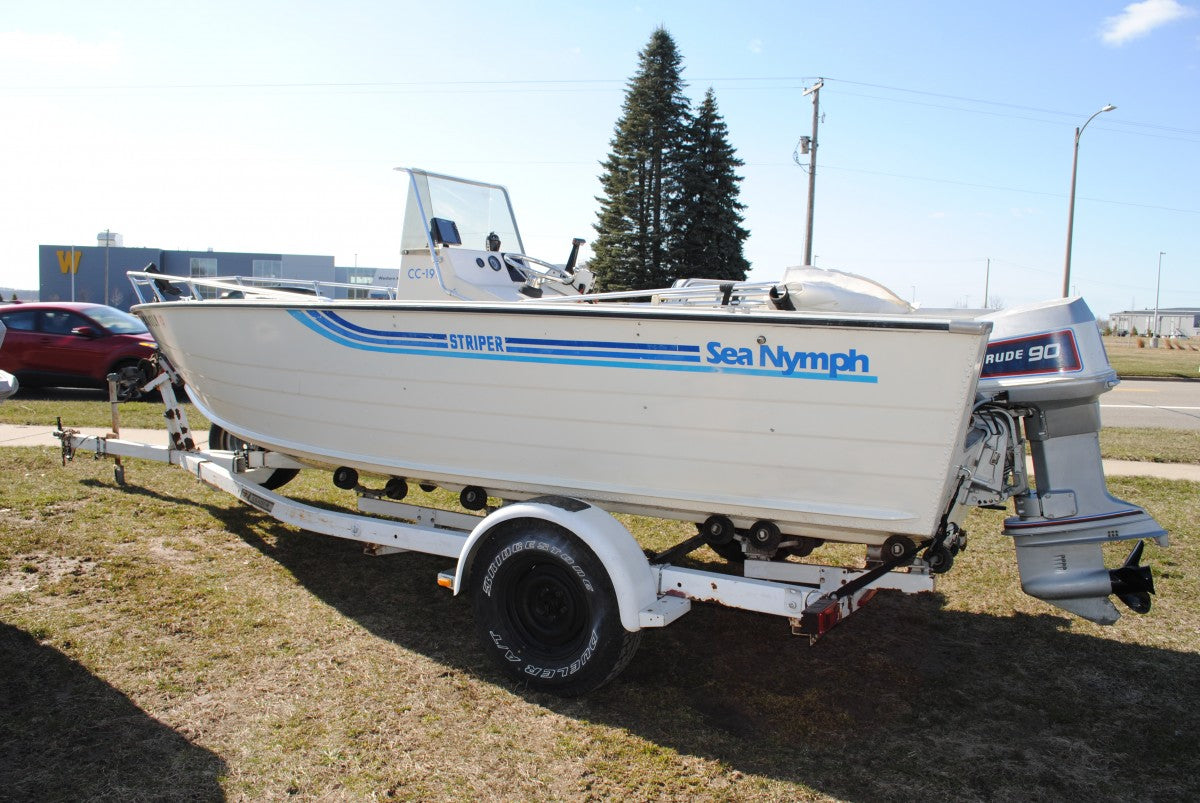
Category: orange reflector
[446,580]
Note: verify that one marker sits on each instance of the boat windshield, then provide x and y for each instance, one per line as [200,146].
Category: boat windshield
[476,209]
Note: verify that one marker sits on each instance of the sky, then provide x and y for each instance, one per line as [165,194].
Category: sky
[945,142]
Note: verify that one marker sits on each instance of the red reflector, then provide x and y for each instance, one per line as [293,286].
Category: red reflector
[819,617]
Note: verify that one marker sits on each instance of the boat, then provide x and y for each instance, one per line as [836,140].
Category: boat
[776,416]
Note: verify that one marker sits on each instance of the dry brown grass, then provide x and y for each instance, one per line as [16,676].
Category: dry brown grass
[1132,357]
[162,642]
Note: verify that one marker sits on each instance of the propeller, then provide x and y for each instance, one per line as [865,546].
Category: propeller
[1133,583]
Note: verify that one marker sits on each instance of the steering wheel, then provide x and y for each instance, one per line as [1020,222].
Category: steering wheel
[547,271]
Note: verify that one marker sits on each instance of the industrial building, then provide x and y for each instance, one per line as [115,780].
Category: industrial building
[96,273]
[1172,322]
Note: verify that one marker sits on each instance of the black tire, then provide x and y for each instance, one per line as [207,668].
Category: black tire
[130,378]
[269,478]
[546,612]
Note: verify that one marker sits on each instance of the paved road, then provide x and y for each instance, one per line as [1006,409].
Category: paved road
[1146,403]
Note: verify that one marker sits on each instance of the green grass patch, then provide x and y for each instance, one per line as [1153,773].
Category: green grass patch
[1150,445]
[86,409]
[1133,356]
[162,641]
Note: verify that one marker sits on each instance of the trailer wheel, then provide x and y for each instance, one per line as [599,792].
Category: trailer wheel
[269,478]
[546,612]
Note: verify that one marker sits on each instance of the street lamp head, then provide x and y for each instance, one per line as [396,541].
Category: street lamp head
[1108,107]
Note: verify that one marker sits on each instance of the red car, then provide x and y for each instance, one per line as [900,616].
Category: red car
[75,345]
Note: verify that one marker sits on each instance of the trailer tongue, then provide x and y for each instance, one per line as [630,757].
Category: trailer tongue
[562,590]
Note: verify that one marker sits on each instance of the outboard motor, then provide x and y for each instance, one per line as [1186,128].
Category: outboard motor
[1046,365]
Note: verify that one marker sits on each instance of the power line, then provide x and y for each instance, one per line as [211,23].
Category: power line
[596,84]
[985,187]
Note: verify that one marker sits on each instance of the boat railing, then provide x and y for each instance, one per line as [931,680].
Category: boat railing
[696,292]
[150,286]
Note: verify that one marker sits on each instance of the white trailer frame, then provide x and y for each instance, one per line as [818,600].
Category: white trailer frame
[648,593]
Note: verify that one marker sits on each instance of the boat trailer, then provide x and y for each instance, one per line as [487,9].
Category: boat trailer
[623,590]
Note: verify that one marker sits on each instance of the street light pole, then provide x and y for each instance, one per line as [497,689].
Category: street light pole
[1154,335]
[1071,207]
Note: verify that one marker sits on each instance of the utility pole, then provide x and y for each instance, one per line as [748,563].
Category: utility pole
[987,278]
[815,91]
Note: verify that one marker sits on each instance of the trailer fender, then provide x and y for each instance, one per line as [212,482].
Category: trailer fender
[632,579]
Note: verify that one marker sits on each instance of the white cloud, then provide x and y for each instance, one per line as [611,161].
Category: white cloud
[755,45]
[56,49]
[1139,19]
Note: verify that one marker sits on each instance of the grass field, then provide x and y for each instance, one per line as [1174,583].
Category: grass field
[1150,445]
[161,641]
[1133,356]
[82,408]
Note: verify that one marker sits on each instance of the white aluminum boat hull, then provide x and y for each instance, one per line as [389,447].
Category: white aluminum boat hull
[833,426]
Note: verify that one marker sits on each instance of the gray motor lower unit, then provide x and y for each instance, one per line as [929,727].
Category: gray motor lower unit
[1059,529]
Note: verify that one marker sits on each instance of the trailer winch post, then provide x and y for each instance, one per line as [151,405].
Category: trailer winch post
[118,467]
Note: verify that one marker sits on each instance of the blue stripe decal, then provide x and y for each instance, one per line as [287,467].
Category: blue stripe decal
[330,322]
[602,344]
[428,344]
[345,324]
[611,353]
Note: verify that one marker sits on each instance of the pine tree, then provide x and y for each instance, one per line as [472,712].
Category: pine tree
[707,219]
[641,174]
